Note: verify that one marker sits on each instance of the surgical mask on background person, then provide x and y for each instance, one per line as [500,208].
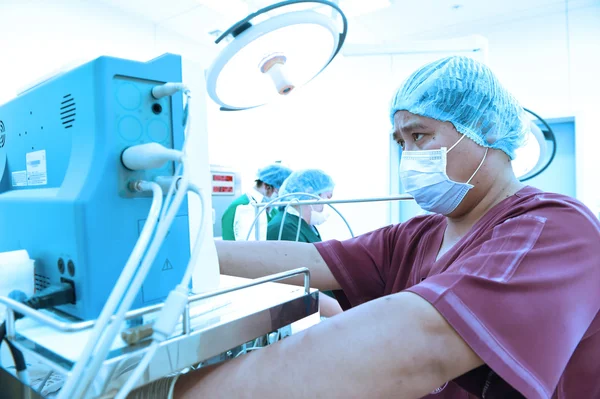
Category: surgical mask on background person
[272,197]
[423,175]
[318,217]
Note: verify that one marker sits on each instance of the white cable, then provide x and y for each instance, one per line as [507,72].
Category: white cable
[174,305]
[148,156]
[114,327]
[199,238]
[137,372]
[184,150]
[78,386]
[168,89]
[299,224]
[23,375]
[119,289]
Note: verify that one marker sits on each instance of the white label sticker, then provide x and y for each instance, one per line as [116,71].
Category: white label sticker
[19,178]
[36,168]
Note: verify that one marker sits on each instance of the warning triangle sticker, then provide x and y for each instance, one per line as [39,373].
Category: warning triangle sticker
[167,266]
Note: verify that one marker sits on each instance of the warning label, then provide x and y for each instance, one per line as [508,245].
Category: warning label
[19,178]
[36,168]
[167,265]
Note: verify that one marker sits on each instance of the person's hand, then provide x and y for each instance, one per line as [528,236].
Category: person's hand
[329,306]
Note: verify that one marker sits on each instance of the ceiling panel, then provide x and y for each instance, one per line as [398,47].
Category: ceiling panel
[410,18]
[404,19]
[197,23]
[154,10]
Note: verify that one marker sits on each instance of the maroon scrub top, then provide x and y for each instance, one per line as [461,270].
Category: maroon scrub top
[522,289]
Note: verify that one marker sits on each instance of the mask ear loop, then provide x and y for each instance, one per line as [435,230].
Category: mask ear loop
[455,144]
[479,167]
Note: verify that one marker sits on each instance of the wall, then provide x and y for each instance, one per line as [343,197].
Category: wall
[550,61]
[37,38]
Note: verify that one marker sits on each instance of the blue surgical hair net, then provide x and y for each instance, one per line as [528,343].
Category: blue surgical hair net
[311,181]
[467,94]
[274,175]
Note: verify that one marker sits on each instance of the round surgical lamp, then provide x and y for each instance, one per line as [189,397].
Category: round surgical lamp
[535,156]
[274,51]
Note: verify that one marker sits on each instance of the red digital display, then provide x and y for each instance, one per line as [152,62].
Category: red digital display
[222,189]
[223,178]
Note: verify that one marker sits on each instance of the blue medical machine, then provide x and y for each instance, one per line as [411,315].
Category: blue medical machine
[64,193]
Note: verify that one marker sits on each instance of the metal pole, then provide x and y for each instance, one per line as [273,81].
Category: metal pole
[256,225]
[10,323]
[400,197]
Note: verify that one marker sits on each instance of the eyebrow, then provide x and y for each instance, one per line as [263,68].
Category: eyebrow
[406,129]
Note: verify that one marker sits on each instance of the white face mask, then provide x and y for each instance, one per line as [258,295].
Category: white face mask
[423,175]
[317,218]
[271,198]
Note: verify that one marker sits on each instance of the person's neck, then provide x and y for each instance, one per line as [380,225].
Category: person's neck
[499,191]
[306,214]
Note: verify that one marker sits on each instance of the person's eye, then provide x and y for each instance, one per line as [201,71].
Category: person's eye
[417,136]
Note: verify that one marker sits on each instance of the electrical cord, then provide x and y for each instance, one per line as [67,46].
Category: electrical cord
[285,213]
[17,356]
[118,291]
[174,184]
[299,225]
[55,295]
[113,329]
[166,217]
[174,305]
[199,237]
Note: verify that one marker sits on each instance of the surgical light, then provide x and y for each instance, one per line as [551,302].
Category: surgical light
[274,51]
[536,155]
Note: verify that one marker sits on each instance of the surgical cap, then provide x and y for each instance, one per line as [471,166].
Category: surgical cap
[312,181]
[274,174]
[465,93]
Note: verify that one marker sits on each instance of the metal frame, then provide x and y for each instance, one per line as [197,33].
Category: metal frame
[322,201]
[399,197]
[212,334]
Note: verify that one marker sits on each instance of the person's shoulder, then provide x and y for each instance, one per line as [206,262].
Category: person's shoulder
[417,225]
[552,205]
[241,200]
[562,216]
[290,225]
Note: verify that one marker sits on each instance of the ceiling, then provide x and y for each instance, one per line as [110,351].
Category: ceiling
[404,18]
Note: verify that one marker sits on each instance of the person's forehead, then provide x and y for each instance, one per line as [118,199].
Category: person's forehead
[406,123]
[404,120]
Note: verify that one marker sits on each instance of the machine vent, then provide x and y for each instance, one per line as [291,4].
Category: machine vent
[67,111]
[41,282]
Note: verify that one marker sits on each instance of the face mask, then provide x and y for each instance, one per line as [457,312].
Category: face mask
[266,198]
[423,175]
[317,218]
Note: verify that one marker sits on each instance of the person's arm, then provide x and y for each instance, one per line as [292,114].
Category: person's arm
[227,223]
[398,346]
[254,259]
[328,306]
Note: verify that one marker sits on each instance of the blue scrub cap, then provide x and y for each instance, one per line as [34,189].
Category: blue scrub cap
[312,181]
[465,93]
[274,175]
